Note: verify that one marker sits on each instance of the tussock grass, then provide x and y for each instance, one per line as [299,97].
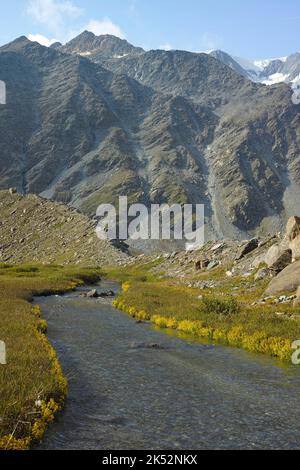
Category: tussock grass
[224,314]
[32,385]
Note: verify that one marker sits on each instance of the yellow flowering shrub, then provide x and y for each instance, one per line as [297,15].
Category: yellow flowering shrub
[42,326]
[159,321]
[235,336]
[48,411]
[224,329]
[125,287]
[10,443]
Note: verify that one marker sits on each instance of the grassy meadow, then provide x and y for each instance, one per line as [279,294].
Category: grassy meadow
[225,314]
[32,386]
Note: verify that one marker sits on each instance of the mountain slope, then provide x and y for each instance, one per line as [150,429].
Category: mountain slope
[37,230]
[226,59]
[157,126]
[100,47]
[269,72]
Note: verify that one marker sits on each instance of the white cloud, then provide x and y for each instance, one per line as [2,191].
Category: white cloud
[53,13]
[41,39]
[56,16]
[105,26]
[166,47]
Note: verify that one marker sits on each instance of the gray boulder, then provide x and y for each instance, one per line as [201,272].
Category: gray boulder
[213,264]
[295,248]
[293,228]
[287,281]
[293,236]
[109,293]
[93,294]
[282,262]
[274,253]
[247,248]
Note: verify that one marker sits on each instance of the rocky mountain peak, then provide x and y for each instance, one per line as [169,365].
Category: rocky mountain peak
[156,126]
[229,61]
[104,46]
[56,45]
[16,45]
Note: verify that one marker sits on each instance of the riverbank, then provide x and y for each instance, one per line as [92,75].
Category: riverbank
[33,388]
[132,387]
[226,313]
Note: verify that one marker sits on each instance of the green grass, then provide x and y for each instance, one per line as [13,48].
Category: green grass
[224,313]
[32,372]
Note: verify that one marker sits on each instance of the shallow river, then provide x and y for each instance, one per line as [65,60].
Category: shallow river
[186,395]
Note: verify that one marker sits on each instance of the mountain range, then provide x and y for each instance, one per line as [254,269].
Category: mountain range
[268,72]
[97,118]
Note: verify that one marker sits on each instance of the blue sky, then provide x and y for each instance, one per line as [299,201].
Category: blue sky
[254,29]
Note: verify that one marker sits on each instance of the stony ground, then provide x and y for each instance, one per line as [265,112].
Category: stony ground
[272,261]
[36,230]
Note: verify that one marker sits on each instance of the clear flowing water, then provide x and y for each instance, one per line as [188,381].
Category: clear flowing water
[187,395]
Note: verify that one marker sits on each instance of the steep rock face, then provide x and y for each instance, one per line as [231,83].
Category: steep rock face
[157,126]
[254,153]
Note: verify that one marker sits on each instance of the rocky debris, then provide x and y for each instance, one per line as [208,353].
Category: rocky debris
[185,264]
[218,248]
[12,191]
[287,315]
[213,264]
[267,240]
[202,264]
[283,260]
[198,265]
[41,231]
[284,299]
[209,284]
[109,293]
[247,248]
[287,281]
[94,294]
[262,274]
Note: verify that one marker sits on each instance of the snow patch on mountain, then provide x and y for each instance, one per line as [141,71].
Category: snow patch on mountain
[262,64]
[275,78]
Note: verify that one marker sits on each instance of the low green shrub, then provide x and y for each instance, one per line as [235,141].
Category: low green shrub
[215,305]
